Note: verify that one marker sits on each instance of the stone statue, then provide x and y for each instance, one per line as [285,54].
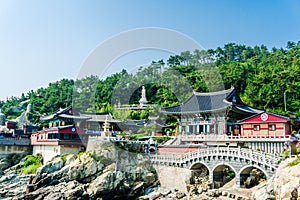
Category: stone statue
[143,101]
[106,127]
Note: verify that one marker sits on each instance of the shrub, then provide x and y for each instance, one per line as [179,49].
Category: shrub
[294,162]
[64,157]
[31,169]
[286,153]
[31,163]
[136,136]
[161,139]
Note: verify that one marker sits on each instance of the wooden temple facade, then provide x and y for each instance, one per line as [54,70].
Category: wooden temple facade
[211,113]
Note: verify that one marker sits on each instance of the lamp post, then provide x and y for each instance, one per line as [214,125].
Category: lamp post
[284,100]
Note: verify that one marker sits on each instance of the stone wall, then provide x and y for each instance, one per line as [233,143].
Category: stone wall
[173,177]
[49,152]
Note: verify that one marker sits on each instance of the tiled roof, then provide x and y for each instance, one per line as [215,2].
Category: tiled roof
[205,102]
[57,113]
[271,117]
[135,125]
[99,117]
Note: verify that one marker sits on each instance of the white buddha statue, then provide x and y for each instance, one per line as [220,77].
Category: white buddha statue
[143,101]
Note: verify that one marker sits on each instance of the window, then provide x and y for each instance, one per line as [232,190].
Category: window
[272,127]
[256,127]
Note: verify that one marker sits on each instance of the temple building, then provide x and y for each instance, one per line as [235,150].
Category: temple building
[59,140]
[268,132]
[222,119]
[63,117]
[159,127]
[98,123]
[211,113]
[60,135]
[265,125]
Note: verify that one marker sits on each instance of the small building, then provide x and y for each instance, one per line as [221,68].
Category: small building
[266,125]
[61,135]
[58,140]
[267,132]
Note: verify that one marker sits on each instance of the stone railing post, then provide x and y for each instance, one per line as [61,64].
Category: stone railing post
[251,154]
[264,159]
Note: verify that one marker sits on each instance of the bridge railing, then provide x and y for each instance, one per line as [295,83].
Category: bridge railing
[248,154]
[224,137]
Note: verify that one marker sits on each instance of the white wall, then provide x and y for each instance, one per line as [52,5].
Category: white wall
[49,152]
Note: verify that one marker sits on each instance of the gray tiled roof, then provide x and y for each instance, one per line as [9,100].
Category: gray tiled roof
[99,117]
[57,113]
[205,102]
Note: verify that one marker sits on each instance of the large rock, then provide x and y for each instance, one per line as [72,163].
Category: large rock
[91,176]
[284,185]
[52,166]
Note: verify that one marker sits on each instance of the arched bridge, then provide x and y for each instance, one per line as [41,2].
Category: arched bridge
[240,160]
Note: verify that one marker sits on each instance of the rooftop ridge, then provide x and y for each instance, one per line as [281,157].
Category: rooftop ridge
[213,93]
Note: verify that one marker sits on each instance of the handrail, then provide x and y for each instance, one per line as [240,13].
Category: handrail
[248,154]
[224,137]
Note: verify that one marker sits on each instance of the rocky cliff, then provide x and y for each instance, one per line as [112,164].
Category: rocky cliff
[109,173]
[285,185]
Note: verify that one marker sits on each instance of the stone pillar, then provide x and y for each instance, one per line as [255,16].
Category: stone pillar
[211,176]
[238,180]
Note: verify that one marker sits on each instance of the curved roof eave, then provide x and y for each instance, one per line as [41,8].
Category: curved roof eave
[196,112]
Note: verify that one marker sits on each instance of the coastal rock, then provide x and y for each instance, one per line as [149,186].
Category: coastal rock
[284,184]
[89,175]
[70,158]
[55,164]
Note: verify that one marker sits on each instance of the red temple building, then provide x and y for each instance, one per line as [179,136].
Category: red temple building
[267,125]
[61,136]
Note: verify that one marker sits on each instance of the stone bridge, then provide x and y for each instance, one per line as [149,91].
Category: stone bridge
[215,160]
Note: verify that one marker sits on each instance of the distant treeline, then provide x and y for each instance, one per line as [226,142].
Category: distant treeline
[261,76]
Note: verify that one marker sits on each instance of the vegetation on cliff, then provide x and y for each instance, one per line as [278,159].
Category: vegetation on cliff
[32,163]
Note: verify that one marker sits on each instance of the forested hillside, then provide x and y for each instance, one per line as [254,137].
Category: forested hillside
[261,76]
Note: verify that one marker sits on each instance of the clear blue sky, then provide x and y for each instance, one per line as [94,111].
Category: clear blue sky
[45,41]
